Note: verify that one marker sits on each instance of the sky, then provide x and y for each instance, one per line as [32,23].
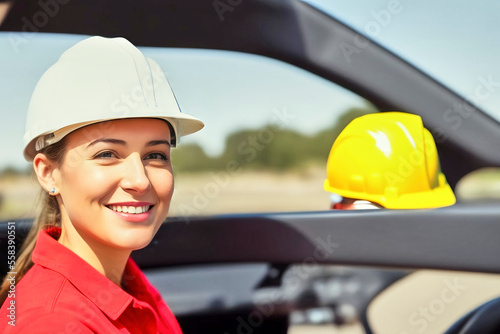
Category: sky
[454,41]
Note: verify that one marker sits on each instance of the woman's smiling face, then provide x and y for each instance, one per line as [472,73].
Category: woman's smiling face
[115,182]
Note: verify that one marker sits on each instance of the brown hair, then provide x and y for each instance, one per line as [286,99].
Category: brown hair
[48,215]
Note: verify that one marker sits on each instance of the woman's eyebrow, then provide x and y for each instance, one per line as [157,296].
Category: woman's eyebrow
[124,143]
[158,142]
[107,140]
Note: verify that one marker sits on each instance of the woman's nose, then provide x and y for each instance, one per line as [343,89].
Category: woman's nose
[135,177]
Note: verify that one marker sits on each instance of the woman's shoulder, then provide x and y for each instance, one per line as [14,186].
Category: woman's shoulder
[40,287]
[42,297]
[61,313]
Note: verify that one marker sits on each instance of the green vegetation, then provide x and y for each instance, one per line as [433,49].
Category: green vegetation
[12,172]
[267,148]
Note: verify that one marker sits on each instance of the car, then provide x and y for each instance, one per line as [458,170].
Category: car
[245,250]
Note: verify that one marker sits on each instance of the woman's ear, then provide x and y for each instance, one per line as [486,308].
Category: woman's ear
[45,170]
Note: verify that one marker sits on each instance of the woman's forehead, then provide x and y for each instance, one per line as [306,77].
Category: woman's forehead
[124,129]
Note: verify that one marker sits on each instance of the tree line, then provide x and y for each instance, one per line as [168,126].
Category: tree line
[267,148]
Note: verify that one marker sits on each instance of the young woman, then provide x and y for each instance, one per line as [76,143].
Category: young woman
[99,130]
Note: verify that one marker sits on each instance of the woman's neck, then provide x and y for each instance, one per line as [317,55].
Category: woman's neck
[108,261]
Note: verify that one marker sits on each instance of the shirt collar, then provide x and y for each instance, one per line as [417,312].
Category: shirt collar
[100,290]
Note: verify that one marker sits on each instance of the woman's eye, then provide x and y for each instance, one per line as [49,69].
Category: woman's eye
[106,155]
[156,156]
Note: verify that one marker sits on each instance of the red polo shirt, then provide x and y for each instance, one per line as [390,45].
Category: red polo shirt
[62,293]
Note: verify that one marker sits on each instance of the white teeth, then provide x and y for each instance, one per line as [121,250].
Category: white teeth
[130,209]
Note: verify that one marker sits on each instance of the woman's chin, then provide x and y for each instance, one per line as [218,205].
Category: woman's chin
[131,240]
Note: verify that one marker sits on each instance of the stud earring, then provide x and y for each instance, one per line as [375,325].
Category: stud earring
[53,191]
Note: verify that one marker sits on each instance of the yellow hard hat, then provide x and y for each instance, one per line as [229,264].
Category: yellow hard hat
[390,159]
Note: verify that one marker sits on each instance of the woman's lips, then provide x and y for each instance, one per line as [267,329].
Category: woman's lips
[130,208]
[135,212]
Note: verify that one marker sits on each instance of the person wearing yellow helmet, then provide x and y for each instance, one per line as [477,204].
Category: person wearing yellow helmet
[386,160]
[99,130]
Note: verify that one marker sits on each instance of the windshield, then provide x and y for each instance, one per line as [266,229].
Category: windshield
[268,129]
[265,114]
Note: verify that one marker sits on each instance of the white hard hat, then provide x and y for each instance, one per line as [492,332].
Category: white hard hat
[100,79]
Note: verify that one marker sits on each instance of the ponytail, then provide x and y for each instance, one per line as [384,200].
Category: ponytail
[49,215]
